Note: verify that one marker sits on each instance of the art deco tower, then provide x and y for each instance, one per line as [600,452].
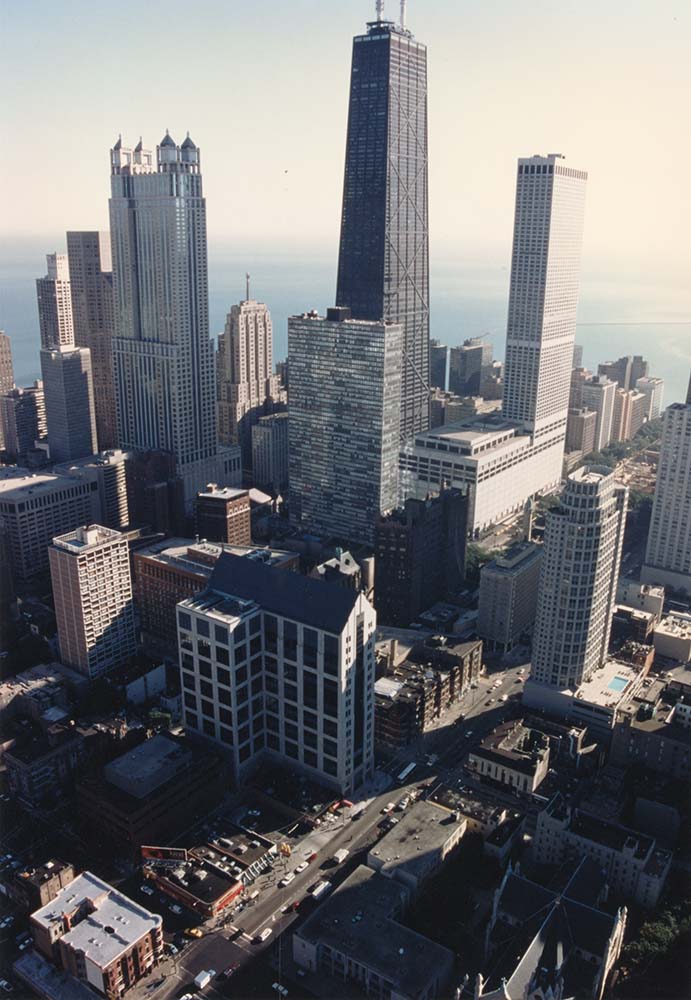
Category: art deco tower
[162,352]
[383,265]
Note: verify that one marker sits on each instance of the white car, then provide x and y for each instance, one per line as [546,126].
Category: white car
[4,985]
[301,867]
[174,908]
[146,889]
[286,880]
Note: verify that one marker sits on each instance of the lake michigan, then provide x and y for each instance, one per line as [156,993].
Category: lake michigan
[615,317]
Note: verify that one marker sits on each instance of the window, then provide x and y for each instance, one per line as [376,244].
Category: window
[184,620]
[222,655]
[331,655]
[221,635]
[202,627]
[223,676]
[204,648]
[209,728]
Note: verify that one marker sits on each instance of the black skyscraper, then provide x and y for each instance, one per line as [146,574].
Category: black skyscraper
[383,266]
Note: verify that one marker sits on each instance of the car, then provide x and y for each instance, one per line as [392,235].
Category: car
[263,935]
[468,733]
[301,867]
[301,973]
[389,807]
[174,908]
[146,889]
[173,950]
[237,933]
[286,880]
[230,971]
[194,932]
[254,812]
[279,989]
[311,888]
[313,854]
[4,985]
[24,945]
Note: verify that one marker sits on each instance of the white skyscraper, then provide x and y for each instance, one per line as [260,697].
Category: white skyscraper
[578,579]
[163,355]
[653,389]
[543,297]
[668,555]
[599,394]
[92,590]
[55,303]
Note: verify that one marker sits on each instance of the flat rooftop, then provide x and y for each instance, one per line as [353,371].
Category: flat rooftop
[422,829]
[609,686]
[358,920]
[214,492]
[140,771]
[84,538]
[514,745]
[114,925]
[677,625]
[473,435]
[15,482]
[515,558]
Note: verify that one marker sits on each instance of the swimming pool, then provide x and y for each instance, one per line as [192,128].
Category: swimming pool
[617,684]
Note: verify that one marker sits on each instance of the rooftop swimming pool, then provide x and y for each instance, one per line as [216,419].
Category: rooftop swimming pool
[617,684]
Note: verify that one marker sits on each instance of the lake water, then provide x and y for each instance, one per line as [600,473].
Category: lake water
[614,318]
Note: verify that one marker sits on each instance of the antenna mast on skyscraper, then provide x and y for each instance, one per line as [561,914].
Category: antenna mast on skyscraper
[247,286]
[403,6]
[380,9]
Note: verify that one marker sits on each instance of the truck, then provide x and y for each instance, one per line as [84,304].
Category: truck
[340,855]
[204,978]
[321,889]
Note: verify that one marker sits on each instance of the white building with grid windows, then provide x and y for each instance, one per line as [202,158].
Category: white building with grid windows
[578,579]
[668,555]
[279,664]
[92,591]
[522,452]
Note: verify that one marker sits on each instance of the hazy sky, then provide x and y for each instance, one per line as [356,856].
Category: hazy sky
[262,86]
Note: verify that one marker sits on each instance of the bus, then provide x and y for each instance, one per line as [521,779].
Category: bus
[407,771]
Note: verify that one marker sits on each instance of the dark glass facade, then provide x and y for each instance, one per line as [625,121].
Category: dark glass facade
[383,266]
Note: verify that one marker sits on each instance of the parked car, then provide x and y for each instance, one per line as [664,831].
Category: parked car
[286,880]
[146,889]
[174,908]
[194,932]
[263,935]
[301,867]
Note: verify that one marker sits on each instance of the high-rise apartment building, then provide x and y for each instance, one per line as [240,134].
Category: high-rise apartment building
[22,420]
[543,297]
[55,304]
[163,355]
[69,398]
[579,376]
[92,591]
[438,365]
[668,554]
[270,452]
[6,368]
[653,389]
[383,265]
[34,508]
[275,663]
[628,414]
[508,596]
[468,364]
[577,356]
[578,579]
[419,556]
[91,283]
[222,514]
[109,473]
[345,405]
[580,430]
[598,394]
[625,371]
[246,385]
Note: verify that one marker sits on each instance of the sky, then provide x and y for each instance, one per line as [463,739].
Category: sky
[262,86]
